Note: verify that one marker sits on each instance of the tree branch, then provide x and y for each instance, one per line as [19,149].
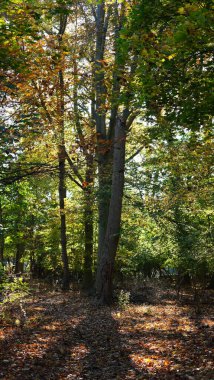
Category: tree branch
[73,167]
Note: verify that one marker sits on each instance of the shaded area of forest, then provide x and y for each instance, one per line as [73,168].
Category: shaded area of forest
[65,336]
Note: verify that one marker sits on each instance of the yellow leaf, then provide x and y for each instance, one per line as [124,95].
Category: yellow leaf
[17,322]
[181,10]
[171,56]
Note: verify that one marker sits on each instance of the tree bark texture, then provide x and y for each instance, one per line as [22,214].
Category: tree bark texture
[61,162]
[106,265]
[104,197]
[20,248]
[88,224]
[63,237]
[104,151]
[1,235]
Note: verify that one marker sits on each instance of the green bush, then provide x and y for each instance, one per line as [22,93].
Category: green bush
[13,289]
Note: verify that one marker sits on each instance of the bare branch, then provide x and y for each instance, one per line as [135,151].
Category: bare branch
[75,181]
[135,154]
[73,167]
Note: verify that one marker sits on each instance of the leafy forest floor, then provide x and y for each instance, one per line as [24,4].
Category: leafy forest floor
[65,336]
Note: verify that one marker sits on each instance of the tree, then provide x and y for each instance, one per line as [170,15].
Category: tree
[1,233]
[114,116]
[84,73]
[174,44]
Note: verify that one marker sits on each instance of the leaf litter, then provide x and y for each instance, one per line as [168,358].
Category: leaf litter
[66,337]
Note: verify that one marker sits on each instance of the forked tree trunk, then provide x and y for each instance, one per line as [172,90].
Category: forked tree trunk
[103,154]
[106,265]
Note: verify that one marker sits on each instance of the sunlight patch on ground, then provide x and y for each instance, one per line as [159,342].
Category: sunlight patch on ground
[151,363]
[53,326]
[31,350]
[6,333]
[79,352]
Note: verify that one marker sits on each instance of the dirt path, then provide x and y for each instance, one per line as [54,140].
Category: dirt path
[66,337]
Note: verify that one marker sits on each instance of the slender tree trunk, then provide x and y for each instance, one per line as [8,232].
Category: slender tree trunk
[1,235]
[20,248]
[104,197]
[88,221]
[88,255]
[62,160]
[63,237]
[32,263]
[62,188]
[89,234]
[106,266]
[88,189]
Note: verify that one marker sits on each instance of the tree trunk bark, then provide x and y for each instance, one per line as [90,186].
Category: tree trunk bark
[61,161]
[88,221]
[103,147]
[63,237]
[1,235]
[20,248]
[104,197]
[106,266]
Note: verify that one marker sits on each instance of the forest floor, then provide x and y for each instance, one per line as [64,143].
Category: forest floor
[66,337]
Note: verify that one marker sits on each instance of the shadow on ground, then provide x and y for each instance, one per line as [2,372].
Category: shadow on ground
[67,337]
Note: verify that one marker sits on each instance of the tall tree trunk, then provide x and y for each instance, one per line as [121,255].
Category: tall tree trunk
[88,224]
[88,188]
[104,155]
[62,159]
[106,266]
[1,235]
[63,237]
[89,234]
[20,248]
[104,197]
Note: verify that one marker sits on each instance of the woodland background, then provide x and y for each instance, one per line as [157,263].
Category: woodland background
[105,103]
[106,195]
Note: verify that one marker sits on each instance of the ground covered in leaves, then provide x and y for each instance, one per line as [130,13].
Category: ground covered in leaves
[66,337]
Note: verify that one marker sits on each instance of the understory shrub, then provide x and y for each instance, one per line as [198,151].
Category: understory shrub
[12,292]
